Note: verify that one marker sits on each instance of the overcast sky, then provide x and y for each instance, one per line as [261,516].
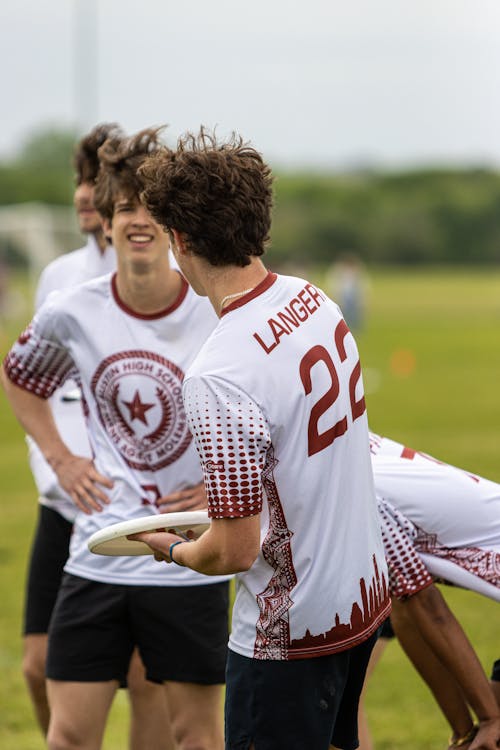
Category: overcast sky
[316,82]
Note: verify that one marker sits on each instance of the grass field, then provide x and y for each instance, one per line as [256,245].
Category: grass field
[431,353]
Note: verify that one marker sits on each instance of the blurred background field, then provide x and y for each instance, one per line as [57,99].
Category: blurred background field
[430,347]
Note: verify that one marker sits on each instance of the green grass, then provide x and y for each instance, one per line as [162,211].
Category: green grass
[447,405]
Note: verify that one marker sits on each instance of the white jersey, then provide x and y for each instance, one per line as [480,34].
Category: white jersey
[130,368]
[64,272]
[275,403]
[437,521]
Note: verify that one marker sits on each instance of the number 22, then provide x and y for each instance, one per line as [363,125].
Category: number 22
[319,441]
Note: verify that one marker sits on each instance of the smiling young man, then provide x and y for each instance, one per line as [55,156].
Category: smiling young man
[275,403]
[128,338]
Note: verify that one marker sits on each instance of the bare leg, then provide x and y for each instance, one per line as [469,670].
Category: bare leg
[149,721]
[196,712]
[78,713]
[34,659]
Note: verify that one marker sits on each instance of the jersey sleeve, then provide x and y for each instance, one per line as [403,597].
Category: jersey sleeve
[38,361]
[232,438]
[407,573]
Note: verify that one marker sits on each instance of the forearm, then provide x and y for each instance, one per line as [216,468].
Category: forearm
[35,416]
[206,557]
[437,677]
[443,633]
[229,546]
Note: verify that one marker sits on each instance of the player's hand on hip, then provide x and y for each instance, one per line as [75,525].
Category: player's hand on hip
[193,498]
[83,483]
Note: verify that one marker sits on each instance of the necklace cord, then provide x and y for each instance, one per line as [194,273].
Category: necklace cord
[233,296]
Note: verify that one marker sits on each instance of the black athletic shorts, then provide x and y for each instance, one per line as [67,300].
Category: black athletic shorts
[49,552]
[181,632]
[305,704]
[495,672]
[386,629]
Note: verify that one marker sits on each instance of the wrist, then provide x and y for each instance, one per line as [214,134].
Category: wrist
[56,456]
[465,739]
[170,552]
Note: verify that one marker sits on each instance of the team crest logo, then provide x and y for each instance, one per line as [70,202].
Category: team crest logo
[139,399]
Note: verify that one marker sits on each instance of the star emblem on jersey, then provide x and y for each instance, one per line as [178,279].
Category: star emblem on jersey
[139,401]
[137,408]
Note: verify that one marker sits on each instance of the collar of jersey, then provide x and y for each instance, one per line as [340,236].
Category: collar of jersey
[153,316]
[263,286]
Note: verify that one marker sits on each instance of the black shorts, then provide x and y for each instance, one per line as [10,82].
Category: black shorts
[495,672]
[49,552]
[295,705]
[386,630]
[181,632]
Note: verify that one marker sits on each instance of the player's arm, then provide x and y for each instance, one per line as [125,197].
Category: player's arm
[230,545]
[76,474]
[442,653]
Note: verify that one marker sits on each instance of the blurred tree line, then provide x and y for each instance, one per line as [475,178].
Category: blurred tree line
[425,216]
[428,216]
[42,170]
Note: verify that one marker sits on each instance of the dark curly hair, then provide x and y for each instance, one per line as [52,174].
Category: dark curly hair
[219,195]
[85,159]
[119,160]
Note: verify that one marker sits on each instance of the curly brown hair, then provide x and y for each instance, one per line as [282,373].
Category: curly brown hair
[85,159]
[219,195]
[119,160]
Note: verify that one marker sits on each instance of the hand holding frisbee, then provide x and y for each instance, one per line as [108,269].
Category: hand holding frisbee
[112,540]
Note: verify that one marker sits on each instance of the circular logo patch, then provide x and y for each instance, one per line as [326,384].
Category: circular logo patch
[139,399]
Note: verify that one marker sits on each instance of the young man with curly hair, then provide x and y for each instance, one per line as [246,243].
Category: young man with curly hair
[128,338]
[275,403]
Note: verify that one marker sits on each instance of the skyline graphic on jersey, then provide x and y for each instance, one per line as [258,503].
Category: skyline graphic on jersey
[374,609]
[273,626]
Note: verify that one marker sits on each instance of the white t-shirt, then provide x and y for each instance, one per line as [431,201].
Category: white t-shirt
[64,272]
[275,403]
[130,368]
[437,520]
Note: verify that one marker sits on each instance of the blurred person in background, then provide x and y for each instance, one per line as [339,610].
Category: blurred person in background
[347,283]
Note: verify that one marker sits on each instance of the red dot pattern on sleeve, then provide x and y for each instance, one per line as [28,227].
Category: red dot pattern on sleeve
[37,365]
[232,439]
[407,573]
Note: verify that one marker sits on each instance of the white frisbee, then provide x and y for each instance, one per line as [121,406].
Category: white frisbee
[112,540]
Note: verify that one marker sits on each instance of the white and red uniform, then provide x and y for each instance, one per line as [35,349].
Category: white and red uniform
[64,272]
[130,369]
[437,521]
[275,403]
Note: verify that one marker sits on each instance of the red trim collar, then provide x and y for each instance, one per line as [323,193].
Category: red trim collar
[152,316]
[262,287]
